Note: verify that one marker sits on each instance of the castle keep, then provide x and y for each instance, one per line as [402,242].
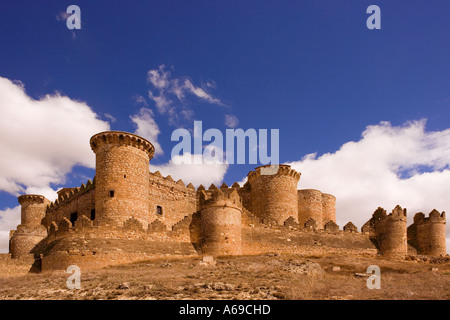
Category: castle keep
[127,213]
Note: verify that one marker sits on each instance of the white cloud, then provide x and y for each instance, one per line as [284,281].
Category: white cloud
[110,117]
[390,165]
[231,121]
[140,100]
[147,128]
[211,84]
[62,16]
[9,220]
[47,192]
[170,94]
[41,140]
[199,92]
[189,172]
[159,78]
[163,105]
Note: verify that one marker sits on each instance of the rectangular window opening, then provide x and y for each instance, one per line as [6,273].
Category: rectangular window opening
[159,210]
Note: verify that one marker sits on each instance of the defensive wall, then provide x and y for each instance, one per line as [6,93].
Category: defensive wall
[127,213]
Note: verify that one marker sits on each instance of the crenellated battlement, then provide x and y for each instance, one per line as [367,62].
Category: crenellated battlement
[212,187]
[168,181]
[33,208]
[427,234]
[30,232]
[121,138]
[397,214]
[128,202]
[220,198]
[390,231]
[31,198]
[350,227]
[283,169]
[223,193]
[68,195]
[220,221]
[131,228]
[433,217]
[273,194]
[379,213]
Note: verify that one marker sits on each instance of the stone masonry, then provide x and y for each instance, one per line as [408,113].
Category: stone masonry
[127,213]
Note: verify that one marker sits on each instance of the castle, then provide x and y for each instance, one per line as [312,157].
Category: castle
[128,213]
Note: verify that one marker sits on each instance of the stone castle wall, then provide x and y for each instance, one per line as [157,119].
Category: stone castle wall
[221,223]
[24,241]
[122,184]
[33,209]
[317,206]
[128,213]
[30,233]
[427,235]
[328,207]
[93,247]
[245,194]
[310,206]
[274,196]
[286,240]
[76,203]
[175,200]
[170,201]
[390,232]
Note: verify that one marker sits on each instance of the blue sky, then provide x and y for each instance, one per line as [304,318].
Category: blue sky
[309,68]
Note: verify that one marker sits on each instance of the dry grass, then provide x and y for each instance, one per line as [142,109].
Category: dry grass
[243,277]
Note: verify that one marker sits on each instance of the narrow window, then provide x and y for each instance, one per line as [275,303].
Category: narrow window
[124,176]
[73,217]
[93,214]
[159,210]
[111,193]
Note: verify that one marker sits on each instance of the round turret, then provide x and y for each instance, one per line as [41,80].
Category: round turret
[30,232]
[274,194]
[391,233]
[310,206]
[122,177]
[33,208]
[221,222]
[328,208]
[430,234]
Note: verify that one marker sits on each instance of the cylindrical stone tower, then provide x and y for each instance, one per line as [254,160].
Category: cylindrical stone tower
[391,233]
[419,233]
[33,208]
[221,222]
[274,194]
[329,208]
[122,177]
[30,231]
[430,234]
[310,206]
